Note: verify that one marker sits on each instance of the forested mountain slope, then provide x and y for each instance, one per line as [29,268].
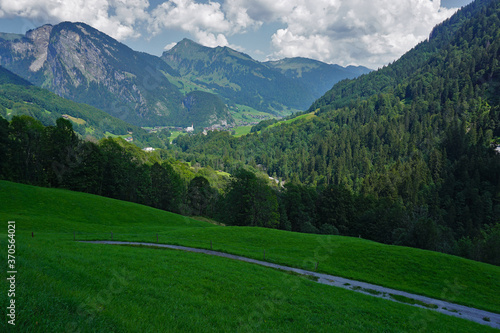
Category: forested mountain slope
[275,87]
[18,97]
[443,37]
[85,65]
[417,135]
[7,76]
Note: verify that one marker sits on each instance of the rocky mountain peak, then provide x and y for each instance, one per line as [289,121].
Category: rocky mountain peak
[81,63]
[41,33]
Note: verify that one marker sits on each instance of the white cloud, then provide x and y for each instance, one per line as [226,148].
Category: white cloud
[368,32]
[121,24]
[209,23]
[169,46]
[189,16]
[210,39]
[311,46]
[372,33]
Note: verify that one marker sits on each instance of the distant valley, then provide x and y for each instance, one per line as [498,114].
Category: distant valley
[85,65]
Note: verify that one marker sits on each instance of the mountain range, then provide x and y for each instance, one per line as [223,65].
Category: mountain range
[85,65]
[80,63]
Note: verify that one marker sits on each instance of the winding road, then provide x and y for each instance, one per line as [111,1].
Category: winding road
[447,308]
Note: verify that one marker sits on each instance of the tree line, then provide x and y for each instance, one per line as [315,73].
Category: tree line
[403,156]
[54,156]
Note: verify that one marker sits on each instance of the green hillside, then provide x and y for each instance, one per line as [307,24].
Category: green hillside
[47,107]
[205,109]
[146,90]
[238,78]
[392,179]
[274,87]
[7,76]
[466,36]
[66,273]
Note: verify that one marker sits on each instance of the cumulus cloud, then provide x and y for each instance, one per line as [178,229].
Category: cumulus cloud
[367,32]
[371,33]
[118,18]
[190,16]
[209,23]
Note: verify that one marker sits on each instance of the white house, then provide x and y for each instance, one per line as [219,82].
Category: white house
[190,129]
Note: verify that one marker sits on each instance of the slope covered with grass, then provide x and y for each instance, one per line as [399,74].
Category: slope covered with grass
[66,285]
[62,212]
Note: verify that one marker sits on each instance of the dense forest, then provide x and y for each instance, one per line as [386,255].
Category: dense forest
[208,109]
[417,137]
[54,156]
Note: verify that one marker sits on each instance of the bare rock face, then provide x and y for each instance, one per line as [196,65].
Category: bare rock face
[79,62]
[75,60]
[40,41]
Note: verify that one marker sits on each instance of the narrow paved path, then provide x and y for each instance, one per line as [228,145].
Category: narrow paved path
[451,309]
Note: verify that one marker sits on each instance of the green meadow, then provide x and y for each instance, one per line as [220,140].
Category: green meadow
[174,135]
[242,130]
[306,116]
[63,285]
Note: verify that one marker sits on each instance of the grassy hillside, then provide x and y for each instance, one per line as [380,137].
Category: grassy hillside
[16,100]
[65,285]
[238,78]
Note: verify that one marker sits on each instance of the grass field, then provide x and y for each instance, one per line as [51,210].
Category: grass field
[242,130]
[245,114]
[123,136]
[64,285]
[78,121]
[304,116]
[174,135]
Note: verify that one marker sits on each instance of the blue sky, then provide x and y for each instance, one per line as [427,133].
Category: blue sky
[346,32]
